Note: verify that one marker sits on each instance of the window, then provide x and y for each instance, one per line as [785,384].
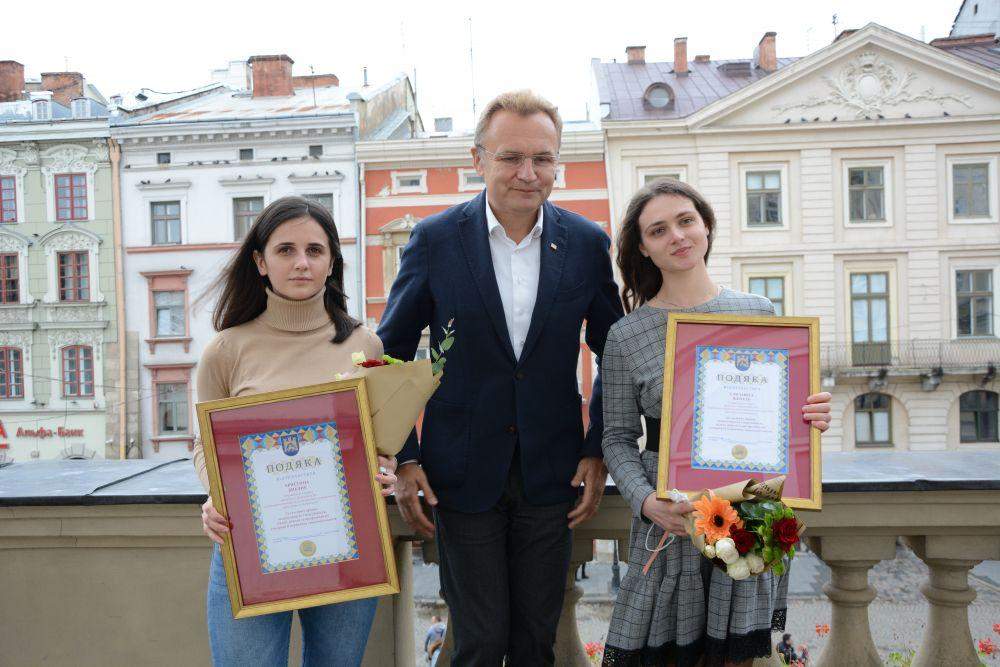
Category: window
[470,181]
[172,408]
[78,371]
[74,276]
[246,153]
[763,198]
[866,194]
[80,108]
[316,151]
[166,217]
[978,416]
[773,288]
[168,309]
[163,158]
[404,182]
[649,178]
[870,318]
[8,199]
[41,110]
[11,373]
[324,200]
[872,420]
[71,197]
[971,190]
[245,211]
[974,302]
[9,287]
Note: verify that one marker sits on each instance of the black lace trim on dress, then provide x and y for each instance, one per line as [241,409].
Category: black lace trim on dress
[688,655]
[778,620]
[737,648]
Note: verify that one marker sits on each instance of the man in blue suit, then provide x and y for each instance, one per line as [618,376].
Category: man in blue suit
[502,453]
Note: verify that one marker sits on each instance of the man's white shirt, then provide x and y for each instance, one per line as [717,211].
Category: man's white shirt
[516,266]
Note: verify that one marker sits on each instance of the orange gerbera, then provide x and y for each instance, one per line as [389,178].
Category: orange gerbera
[714,517]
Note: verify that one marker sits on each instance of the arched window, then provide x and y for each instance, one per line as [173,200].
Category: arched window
[873,420]
[978,416]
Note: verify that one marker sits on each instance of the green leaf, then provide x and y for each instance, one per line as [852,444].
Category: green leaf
[435,355]
[446,344]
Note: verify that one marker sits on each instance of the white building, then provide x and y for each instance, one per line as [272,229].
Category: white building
[977,17]
[196,169]
[857,184]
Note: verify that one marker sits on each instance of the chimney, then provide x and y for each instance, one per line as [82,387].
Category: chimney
[64,86]
[315,81]
[443,124]
[681,56]
[703,58]
[636,55]
[11,80]
[765,56]
[271,76]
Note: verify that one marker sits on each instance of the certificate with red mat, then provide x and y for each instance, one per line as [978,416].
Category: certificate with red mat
[733,388]
[294,472]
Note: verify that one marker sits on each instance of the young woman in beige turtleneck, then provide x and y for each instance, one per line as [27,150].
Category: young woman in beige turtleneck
[283,323]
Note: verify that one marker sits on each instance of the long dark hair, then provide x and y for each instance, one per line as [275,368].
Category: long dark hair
[642,279]
[242,295]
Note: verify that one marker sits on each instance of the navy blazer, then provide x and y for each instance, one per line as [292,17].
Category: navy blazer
[489,401]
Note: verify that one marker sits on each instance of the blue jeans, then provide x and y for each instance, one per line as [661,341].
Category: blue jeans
[333,635]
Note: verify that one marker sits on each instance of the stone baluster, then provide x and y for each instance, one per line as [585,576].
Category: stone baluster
[850,558]
[947,638]
[403,608]
[569,647]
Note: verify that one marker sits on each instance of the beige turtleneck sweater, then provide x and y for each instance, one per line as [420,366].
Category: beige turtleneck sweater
[286,346]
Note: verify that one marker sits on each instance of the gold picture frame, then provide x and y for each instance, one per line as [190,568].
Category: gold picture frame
[242,609]
[663,487]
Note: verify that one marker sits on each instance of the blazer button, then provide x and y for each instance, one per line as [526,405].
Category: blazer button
[512,429]
[519,375]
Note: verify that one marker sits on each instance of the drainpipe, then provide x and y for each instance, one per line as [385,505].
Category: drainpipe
[362,242]
[115,152]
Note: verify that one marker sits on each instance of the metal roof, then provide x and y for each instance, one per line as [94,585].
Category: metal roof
[984,52]
[623,86]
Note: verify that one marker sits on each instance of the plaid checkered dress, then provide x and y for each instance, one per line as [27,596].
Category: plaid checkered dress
[684,608]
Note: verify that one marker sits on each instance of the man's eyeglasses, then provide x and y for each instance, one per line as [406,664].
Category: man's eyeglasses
[540,162]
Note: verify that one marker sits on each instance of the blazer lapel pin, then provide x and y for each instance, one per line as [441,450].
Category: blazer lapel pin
[553,246]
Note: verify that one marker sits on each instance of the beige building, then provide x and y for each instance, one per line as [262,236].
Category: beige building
[857,184]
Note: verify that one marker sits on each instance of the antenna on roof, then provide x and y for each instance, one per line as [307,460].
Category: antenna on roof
[472,69]
[312,80]
[835,26]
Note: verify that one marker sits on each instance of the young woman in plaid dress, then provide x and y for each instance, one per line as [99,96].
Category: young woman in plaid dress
[684,611]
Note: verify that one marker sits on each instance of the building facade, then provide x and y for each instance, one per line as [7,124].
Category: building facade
[197,168]
[857,185]
[59,390]
[405,181]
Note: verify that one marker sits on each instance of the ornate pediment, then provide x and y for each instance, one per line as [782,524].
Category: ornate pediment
[404,224]
[68,158]
[7,166]
[70,237]
[868,85]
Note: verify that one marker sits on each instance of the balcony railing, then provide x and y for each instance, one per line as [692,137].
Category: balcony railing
[951,355]
[105,567]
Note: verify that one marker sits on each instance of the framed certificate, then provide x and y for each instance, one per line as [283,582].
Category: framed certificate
[294,473]
[733,389]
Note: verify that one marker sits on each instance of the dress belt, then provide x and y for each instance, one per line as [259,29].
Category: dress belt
[652,434]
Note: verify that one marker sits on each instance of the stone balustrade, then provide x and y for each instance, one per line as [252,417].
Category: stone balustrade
[117,574]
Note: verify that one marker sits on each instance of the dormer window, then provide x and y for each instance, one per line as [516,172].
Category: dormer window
[659,96]
[41,110]
[81,108]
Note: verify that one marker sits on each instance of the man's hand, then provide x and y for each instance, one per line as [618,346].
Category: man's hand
[817,410]
[666,514]
[410,478]
[592,473]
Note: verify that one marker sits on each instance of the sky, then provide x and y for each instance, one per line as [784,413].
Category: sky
[546,46]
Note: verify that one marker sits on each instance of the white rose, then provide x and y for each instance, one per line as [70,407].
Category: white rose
[738,569]
[709,551]
[755,562]
[358,358]
[726,550]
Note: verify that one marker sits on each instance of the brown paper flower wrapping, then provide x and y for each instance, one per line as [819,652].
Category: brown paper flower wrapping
[397,394]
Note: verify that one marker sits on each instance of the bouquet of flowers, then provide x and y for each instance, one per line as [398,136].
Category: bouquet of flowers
[745,528]
[398,391]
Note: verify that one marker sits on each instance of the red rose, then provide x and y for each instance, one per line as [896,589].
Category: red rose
[786,533]
[744,539]
[372,363]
